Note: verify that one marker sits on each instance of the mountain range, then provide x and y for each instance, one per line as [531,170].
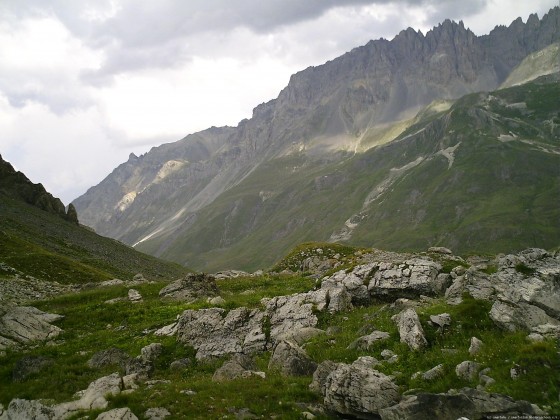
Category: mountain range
[443,139]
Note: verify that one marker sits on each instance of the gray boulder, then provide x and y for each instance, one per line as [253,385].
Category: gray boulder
[117,414]
[441,320]
[134,296]
[367,341]
[466,403]
[320,375]
[359,390]
[156,413]
[214,332]
[239,366]
[467,370]
[410,329]
[519,316]
[26,324]
[410,279]
[20,409]
[190,288]
[291,360]
[151,352]
[476,346]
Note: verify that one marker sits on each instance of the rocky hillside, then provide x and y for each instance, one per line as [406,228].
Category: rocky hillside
[43,253]
[331,332]
[218,186]
[14,184]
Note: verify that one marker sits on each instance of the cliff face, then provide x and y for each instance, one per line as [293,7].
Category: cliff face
[14,184]
[324,116]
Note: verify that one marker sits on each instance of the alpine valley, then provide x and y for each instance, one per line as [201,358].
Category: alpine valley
[382,238]
[446,139]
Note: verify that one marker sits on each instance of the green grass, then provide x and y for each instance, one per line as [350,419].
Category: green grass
[44,246]
[90,325]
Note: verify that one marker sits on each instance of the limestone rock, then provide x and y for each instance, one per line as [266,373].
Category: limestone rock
[216,301]
[117,414]
[410,279]
[190,288]
[93,398]
[151,352]
[467,403]
[441,320]
[433,373]
[214,332]
[358,390]
[519,316]
[301,335]
[134,296]
[476,346]
[467,370]
[180,364]
[26,324]
[320,375]
[239,366]
[367,341]
[291,360]
[410,329]
[157,413]
[25,409]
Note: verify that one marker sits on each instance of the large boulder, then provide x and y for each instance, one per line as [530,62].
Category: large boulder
[26,324]
[214,332]
[359,390]
[190,288]
[467,403]
[409,279]
[410,329]
[291,360]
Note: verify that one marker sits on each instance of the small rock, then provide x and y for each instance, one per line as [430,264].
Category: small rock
[467,370]
[441,320]
[387,354]
[216,301]
[134,296]
[151,352]
[535,337]
[180,364]
[307,415]
[433,373]
[440,250]
[157,413]
[476,346]
[117,414]
[367,341]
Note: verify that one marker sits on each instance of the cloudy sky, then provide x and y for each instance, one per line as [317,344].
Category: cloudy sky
[83,83]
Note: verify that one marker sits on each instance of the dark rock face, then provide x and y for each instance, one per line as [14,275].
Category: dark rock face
[16,185]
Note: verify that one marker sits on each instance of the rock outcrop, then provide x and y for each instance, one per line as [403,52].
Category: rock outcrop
[20,325]
[410,329]
[190,288]
[357,389]
[467,403]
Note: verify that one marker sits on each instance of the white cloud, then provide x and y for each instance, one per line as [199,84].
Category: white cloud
[86,82]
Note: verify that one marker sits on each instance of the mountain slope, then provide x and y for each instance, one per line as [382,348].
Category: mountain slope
[482,175]
[208,211]
[38,241]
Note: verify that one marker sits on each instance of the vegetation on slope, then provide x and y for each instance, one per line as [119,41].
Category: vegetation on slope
[47,247]
[91,325]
